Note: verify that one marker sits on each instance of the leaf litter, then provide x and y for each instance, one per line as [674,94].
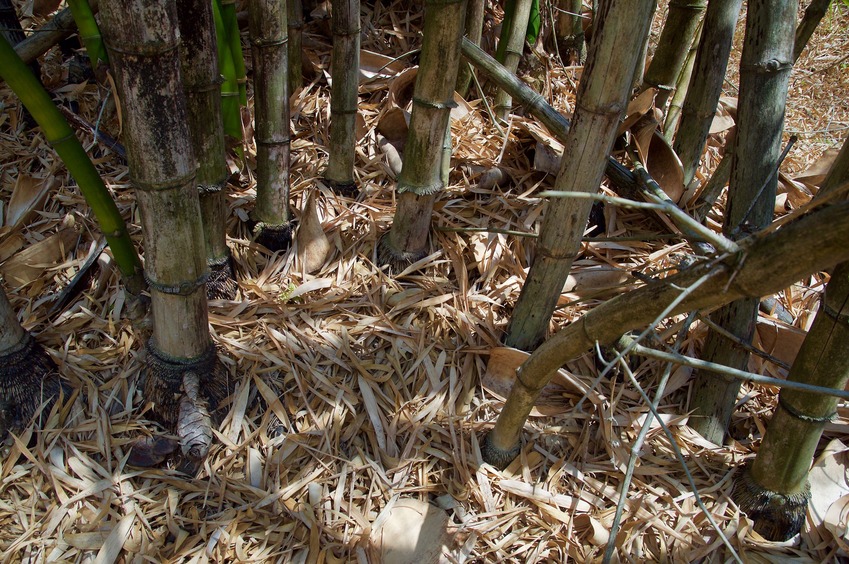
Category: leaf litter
[362,399]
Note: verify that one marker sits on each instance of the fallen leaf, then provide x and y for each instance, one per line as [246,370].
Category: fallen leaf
[27,197]
[29,264]
[146,452]
[828,508]
[637,108]
[581,281]
[413,531]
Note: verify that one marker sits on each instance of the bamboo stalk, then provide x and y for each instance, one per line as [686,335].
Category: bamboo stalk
[234,40]
[774,490]
[420,180]
[143,45]
[815,12]
[269,36]
[474,32]
[296,25]
[602,98]
[199,66]
[679,33]
[344,68]
[706,83]
[230,105]
[775,259]
[89,32]
[673,113]
[569,31]
[513,39]
[60,135]
[58,28]
[764,70]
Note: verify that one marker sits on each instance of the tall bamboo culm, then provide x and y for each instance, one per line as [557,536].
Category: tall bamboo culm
[679,32]
[295,12]
[706,83]
[420,178]
[774,489]
[143,45]
[269,51]
[765,66]
[344,68]
[513,38]
[199,60]
[602,97]
[474,32]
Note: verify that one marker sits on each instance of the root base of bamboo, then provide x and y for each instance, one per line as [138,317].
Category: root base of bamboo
[29,384]
[498,457]
[396,260]
[273,237]
[777,517]
[344,189]
[222,283]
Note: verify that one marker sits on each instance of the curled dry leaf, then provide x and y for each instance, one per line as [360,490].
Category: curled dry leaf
[194,424]
[27,197]
[637,108]
[828,508]
[665,167]
[313,244]
[593,279]
[29,264]
[413,532]
[146,452]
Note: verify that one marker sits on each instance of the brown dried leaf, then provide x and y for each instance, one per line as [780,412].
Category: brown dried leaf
[27,197]
[637,108]
[817,172]
[29,264]
[44,8]
[665,167]
[313,244]
[592,279]
[412,531]
[147,452]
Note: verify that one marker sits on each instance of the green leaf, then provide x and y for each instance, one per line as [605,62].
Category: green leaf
[534,23]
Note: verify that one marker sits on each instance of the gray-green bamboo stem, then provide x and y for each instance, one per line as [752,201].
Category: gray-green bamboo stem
[344,68]
[679,32]
[673,113]
[774,491]
[814,13]
[39,42]
[295,13]
[513,48]
[764,70]
[474,32]
[569,31]
[602,98]
[773,261]
[203,94]
[420,178]
[269,36]
[706,83]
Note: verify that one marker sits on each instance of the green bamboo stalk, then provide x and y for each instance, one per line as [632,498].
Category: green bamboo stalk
[765,66]
[679,32]
[60,135]
[234,40]
[344,68]
[230,105]
[513,38]
[199,65]
[143,45]
[420,180]
[89,32]
[774,489]
[773,261]
[706,83]
[602,98]
[673,113]
[474,33]
[269,36]
[296,26]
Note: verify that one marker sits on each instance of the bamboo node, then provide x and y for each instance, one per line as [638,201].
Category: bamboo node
[766,67]
[185,288]
[261,43]
[425,190]
[435,105]
[803,416]
[837,316]
[152,48]
[171,184]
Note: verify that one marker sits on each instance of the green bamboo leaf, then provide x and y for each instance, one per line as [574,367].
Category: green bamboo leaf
[534,23]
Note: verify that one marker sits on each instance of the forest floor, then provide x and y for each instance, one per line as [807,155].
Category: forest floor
[378,381]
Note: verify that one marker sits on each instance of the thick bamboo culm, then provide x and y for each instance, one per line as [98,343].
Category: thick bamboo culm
[203,95]
[774,490]
[295,12]
[421,175]
[765,66]
[679,32]
[230,104]
[602,98]
[143,45]
[269,36]
[344,68]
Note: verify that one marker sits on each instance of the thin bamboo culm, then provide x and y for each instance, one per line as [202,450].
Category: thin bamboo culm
[513,39]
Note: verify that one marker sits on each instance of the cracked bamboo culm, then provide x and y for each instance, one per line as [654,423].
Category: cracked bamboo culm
[203,94]
[601,100]
[420,179]
[269,37]
[143,45]
[344,68]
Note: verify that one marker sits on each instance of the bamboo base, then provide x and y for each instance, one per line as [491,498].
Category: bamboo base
[777,517]
[222,283]
[29,385]
[396,260]
[496,456]
[273,237]
[344,189]
[163,381]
